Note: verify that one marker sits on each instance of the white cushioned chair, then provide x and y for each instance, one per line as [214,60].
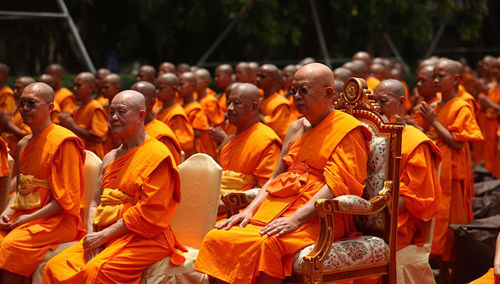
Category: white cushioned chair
[200,184]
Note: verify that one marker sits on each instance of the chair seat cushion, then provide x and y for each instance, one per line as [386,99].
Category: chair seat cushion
[164,272]
[38,274]
[354,253]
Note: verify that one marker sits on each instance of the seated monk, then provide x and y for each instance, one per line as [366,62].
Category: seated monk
[44,211]
[324,155]
[419,188]
[223,77]
[129,217]
[155,128]
[63,97]
[203,143]
[13,126]
[173,114]
[451,125]
[111,85]
[207,98]
[88,120]
[7,101]
[51,81]
[99,80]
[276,109]
[248,157]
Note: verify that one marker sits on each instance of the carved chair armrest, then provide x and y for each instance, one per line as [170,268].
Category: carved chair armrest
[235,201]
[312,264]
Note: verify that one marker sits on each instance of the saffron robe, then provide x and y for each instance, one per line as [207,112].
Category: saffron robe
[419,187]
[335,153]
[199,121]
[175,117]
[11,138]
[455,206]
[222,102]
[249,158]
[161,132]
[103,100]
[54,115]
[142,187]
[7,100]
[51,167]
[278,113]
[212,110]
[66,100]
[372,83]
[92,117]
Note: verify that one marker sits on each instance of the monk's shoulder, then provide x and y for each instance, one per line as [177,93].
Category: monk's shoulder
[266,133]
[412,138]
[295,130]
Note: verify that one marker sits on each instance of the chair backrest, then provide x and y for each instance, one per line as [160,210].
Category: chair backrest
[91,169]
[196,214]
[384,158]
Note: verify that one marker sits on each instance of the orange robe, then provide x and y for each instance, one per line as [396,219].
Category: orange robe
[54,115]
[161,132]
[103,100]
[11,138]
[488,278]
[92,117]
[142,188]
[249,158]
[278,114]
[4,163]
[417,115]
[211,92]
[199,121]
[66,100]
[372,83]
[468,98]
[455,206]
[212,110]
[333,153]
[7,100]
[176,119]
[408,103]
[54,159]
[487,119]
[419,186]
[222,102]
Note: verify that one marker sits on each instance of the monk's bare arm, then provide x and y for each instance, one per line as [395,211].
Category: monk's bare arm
[446,136]
[51,209]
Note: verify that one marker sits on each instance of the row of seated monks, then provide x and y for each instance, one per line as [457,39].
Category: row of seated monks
[275,130]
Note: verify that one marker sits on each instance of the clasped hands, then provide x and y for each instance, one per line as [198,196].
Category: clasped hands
[93,244]
[278,227]
[6,218]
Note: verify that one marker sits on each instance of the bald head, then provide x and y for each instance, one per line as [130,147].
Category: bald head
[362,55]
[87,77]
[243,105]
[187,83]
[183,67]
[307,60]
[170,79]
[338,86]
[47,79]
[101,73]
[342,74]
[319,74]
[147,89]
[377,70]
[203,79]
[249,92]
[268,78]
[223,76]
[189,76]
[359,68]
[113,79]
[54,70]
[449,65]
[390,95]
[4,69]
[40,90]
[393,87]
[166,67]
[131,98]
[146,73]
[224,68]
[20,84]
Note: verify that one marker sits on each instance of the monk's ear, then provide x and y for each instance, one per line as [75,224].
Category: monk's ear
[402,101]
[457,78]
[51,106]
[328,94]
[142,115]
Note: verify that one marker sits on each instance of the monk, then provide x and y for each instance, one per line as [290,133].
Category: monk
[396,74]
[13,126]
[338,87]
[203,143]
[182,67]
[451,125]
[51,81]
[64,97]
[223,78]
[359,69]
[111,85]
[166,67]
[4,175]
[376,75]
[88,121]
[427,92]
[276,109]
[99,78]
[324,155]
[242,72]
[252,75]
[146,73]
[207,98]
[129,217]
[419,188]
[45,208]
[7,101]
[173,114]
[248,157]
[155,128]
[342,74]
[363,56]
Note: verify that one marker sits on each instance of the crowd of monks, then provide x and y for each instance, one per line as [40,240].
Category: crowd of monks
[271,129]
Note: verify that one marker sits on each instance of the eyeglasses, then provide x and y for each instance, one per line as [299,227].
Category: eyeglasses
[31,104]
[302,91]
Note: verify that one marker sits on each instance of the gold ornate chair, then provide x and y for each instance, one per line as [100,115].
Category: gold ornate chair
[374,253]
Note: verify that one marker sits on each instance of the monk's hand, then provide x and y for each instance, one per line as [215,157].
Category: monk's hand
[5,220]
[93,240]
[23,219]
[89,255]
[483,100]
[280,226]
[66,119]
[428,113]
[242,218]
[217,134]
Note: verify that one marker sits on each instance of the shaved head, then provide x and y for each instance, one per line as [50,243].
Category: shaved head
[307,60]
[40,90]
[145,88]
[20,84]
[203,74]
[25,80]
[146,73]
[54,70]
[390,95]
[203,80]
[225,68]
[362,55]
[113,79]
[359,68]
[102,72]
[449,65]
[183,67]
[4,69]
[131,98]
[338,87]
[243,105]
[394,87]
[268,79]
[223,76]
[342,74]
[249,91]
[169,78]
[87,77]
[189,76]
[319,74]
[166,67]
[242,72]
[47,79]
